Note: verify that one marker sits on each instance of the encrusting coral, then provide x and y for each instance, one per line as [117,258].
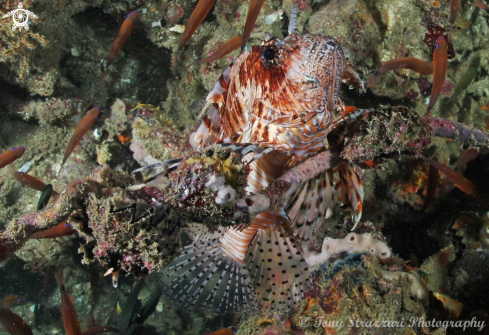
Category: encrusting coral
[417,288]
[334,250]
[16,46]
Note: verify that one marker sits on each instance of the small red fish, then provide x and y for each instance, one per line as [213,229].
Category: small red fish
[62,229]
[465,157]
[440,61]
[124,32]
[433,181]
[455,7]
[48,275]
[481,5]
[11,156]
[369,163]
[198,15]
[253,11]
[409,63]
[12,301]
[30,181]
[455,177]
[80,131]
[225,49]
[70,318]
[14,324]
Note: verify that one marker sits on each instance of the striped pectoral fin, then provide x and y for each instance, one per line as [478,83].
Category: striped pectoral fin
[264,168]
[350,190]
[277,269]
[231,289]
[203,277]
[219,91]
[309,205]
[209,130]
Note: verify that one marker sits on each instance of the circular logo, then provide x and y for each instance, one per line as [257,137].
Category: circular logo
[20,17]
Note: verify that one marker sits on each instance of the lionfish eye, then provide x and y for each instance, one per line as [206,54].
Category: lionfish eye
[269,54]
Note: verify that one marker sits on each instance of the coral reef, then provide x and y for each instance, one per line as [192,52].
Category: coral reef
[17,47]
[129,235]
[132,231]
[51,74]
[347,298]
[117,122]
[334,250]
[417,289]
[43,110]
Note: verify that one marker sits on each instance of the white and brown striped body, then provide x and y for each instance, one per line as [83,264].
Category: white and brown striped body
[287,102]
[284,95]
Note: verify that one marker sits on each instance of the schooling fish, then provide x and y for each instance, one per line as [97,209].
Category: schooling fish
[455,7]
[70,318]
[30,181]
[225,49]
[455,177]
[481,5]
[12,301]
[11,156]
[198,15]
[463,83]
[80,131]
[433,181]
[440,60]
[283,95]
[46,193]
[14,324]
[465,157]
[410,63]
[63,229]
[124,32]
[253,11]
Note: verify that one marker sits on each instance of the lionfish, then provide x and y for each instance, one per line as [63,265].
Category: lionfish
[282,94]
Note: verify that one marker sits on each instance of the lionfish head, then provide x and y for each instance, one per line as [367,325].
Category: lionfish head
[301,73]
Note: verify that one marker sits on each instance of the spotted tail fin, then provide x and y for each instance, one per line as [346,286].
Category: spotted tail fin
[349,188]
[309,205]
[277,269]
[203,277]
